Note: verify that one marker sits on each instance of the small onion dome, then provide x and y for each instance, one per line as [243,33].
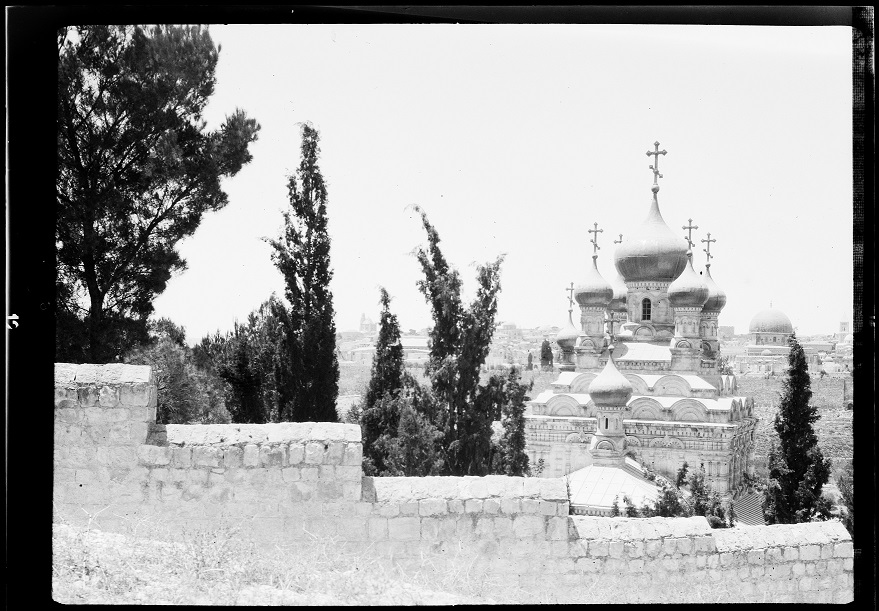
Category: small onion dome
[567,337]
[771,321]
[716,296]
[610,388]
[620,294]
[689,290]
[594,290]
[766,352]
[652,252]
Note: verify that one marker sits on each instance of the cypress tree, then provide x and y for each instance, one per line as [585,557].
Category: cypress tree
[513,421]
[302,255]
[387,364]
[797,467]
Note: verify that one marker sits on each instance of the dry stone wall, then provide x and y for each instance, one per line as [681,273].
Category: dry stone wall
[292,481]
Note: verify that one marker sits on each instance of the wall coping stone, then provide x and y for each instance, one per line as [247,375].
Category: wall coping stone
[274,432]
[744,537]
[406,489]
[70,374]
[638,529]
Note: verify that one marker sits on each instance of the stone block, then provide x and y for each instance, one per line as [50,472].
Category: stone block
[290,474]
[547,508]
[326,473]
[810,552]
[353,454]
[756,556]
[404,529]
[409,508]
[616,549]
[309,474]
[154,455]
[826,551]
[388,510]
[653,547]
[335,453]
[484,528]
[108,396]
[503,527]
[491,506]
[557,528]
[634,549]
[848,564]
[135,395]
[844,550]
[473,506]
[530,506]
[456,506]
[314,452]
[510,506]
[349,473]
[438,529]
[88,396]
[432,507]
[636,566]
[233,457]
[798,569]
[704,544]
[526,526]
[669,546]
[589,565]
[685,546]
[599,549]
[160,475]
[273,456]
[205,456]
[251,455]
[563,509]
[377,529]
[295,453]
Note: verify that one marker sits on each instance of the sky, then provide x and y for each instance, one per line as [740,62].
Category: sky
[515,139]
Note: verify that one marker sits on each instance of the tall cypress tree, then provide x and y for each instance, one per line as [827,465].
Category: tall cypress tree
[387,364]
[513,421]
[459,344]
[797,467]
[302,255]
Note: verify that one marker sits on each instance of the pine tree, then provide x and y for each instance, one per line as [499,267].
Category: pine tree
[797,467]
[302,255]
[459,344]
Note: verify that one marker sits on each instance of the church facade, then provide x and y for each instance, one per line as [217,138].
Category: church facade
[662,318]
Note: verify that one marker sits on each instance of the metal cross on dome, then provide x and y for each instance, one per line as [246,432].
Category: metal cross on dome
[707,249]
[594,239]
[611,321]
[570,292]
[656,154]
[620,241]
[690,229]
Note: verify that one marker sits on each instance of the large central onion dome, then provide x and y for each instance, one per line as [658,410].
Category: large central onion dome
[653,252]
[610,388]
[594,290]
[688,290]
[771,321]
[716,296]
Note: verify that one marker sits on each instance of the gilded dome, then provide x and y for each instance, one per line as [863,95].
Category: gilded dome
[610,388]
[594,290]
[771,321]
[620,294]
[716,296]
[689,290]
[653,252]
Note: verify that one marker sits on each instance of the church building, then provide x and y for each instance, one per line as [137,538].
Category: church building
[649,338]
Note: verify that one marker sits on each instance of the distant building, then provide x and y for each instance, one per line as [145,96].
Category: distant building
[367,327]
[726,332]
[767,347]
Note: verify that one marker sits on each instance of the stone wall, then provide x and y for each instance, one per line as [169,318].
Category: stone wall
[117,471]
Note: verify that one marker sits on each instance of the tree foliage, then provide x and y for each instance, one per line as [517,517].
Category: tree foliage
[797,467]
[302,254]
[845,482]
[186,393]
[387,364]
[137,170]
[545,355]
[515,459]
[459,344]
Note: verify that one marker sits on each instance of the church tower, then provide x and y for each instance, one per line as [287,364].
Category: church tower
[610,391]
[593,295]
[567,337]
[711,309]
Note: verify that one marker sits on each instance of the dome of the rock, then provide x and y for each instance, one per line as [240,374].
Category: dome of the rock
[716,296]
[594,290]
[771,321]
[610,388]
[689,290]
[653,252]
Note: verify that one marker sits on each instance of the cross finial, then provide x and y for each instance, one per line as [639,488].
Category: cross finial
[594,239]
[610,320]
[620,241]
[690,227]
[570,292]
[656,153]
[707,249]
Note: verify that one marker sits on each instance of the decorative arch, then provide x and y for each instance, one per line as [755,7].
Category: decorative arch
[605,445]
[667,442]
[633,442]
[646,309]
[562,405]
[574,438]
[645,332]
[646,408]
[586,343]
[581,382]
[689,410]
[639,386]
[672,386]
[589,409]
[683,344]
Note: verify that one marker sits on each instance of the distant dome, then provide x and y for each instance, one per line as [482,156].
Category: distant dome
[610,388]
[848,339]
[594,290]
[716,296]
[653,252]
[766,352]
[620,294]
[771,321]
[689,290]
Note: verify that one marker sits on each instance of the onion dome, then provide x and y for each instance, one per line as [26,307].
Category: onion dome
[653,252]
[716,296]
[610,388]
[688,290]
[567,337]
[620,294]
[594,290]
[771,321]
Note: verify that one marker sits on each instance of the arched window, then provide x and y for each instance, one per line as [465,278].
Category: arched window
[645,309]
[605,423]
